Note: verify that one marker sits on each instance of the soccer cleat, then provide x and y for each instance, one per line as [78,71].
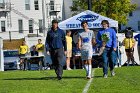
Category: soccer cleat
[88,77]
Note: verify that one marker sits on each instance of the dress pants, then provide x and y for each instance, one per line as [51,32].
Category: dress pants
[57,56]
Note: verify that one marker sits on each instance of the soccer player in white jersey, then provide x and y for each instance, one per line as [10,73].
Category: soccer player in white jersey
[85,42]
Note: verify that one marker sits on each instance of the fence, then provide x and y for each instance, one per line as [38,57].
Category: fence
[22,33]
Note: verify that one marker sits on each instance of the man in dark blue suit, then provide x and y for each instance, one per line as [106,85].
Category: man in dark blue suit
[56,45]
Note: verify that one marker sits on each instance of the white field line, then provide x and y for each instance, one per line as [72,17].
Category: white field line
[88,83]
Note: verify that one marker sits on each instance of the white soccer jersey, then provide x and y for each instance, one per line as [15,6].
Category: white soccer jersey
[86,39]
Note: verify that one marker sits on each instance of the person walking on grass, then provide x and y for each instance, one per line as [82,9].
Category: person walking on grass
[56,46]
[69,49]
[107,35]
[85,42]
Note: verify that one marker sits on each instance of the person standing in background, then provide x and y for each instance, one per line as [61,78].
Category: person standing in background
[107,35]
[56,46]
[40,50]
[34,52]
[137,38]
[129,43]
[23,50]
[77,56]
[69,49]
[85,42]
[40,47]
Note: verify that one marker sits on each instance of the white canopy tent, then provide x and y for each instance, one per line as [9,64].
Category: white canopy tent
[94,21]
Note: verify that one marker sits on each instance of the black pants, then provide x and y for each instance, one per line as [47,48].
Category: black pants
[130,54]
[57,56]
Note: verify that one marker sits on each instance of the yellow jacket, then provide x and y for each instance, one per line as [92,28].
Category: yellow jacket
[128,43]
[40,47]
[23,49]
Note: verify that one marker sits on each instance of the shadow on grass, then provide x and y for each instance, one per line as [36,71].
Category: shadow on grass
[45,78]
[98,77]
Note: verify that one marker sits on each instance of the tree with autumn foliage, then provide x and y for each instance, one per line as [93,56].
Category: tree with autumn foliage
[115,9]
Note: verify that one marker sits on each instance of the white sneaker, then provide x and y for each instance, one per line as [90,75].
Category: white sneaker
[48,68]
[105,76]
[69,68]
[112,73]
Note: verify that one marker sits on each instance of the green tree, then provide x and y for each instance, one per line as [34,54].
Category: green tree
[115,9]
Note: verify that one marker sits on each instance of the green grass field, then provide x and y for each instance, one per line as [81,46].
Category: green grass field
[127,80]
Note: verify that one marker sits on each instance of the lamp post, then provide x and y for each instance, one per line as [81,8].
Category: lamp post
[89,5]
[43,15]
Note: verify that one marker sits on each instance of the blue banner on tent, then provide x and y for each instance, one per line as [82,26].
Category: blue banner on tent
[88,18]
[90,25]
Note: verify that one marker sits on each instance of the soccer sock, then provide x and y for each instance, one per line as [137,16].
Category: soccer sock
[89,70]
[86,68]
